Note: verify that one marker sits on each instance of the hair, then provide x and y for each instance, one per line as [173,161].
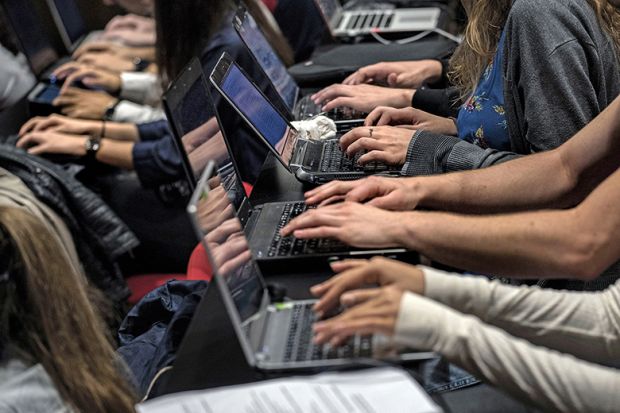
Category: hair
[46,317]
[183,30]
[486,20]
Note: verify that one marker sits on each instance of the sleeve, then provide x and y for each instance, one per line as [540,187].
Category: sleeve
[440,102]
[586,325]
[153,130]
[141,88]
[445,69]
[536,375]
[157,162]
[134,113]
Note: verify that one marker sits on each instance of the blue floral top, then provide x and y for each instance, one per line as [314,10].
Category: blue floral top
[482,119]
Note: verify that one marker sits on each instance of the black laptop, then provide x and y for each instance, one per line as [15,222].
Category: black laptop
[289,93]
[70,24]
[314,161]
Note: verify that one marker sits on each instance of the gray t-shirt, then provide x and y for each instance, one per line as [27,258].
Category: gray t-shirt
[16,78]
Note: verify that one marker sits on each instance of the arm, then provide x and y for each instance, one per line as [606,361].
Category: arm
[582,324]
[537,375]
[557,178]
[140,87]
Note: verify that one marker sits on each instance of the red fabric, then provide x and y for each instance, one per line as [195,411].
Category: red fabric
[141,285]
[199,267]
[271,4]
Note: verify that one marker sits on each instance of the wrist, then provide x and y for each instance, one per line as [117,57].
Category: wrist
[79,147]
[417,192]
[405,98]
[406,230]
[433,69]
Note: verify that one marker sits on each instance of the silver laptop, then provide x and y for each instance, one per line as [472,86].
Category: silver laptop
[70,24]
[273,336]
[351,23]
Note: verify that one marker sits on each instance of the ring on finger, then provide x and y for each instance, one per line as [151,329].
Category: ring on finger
[371,131]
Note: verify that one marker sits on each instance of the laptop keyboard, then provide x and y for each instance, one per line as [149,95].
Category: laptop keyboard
[299,345]
[291,246]
[369,20]
[334,160]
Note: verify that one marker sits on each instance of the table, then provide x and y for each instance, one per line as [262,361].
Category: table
[210,355]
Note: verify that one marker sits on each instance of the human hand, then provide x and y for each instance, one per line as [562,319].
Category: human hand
[90,76]
[409,75]
[385,144]
[130,22]
[376,313]
[39,143]
[395,194]
[108,61]
[363,98]
[414,118]
[84,104]
[130,38]
[60,123]
[357,225]
[353,275]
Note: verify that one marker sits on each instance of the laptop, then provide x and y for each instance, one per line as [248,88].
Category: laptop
[311,161]
[361,22]
[288,91]
[70,24]
[277,336]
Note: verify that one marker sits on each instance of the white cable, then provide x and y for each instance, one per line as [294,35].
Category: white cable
[449,36]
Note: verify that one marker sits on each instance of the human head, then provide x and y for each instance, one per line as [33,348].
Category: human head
[184,29]
[46,317]
[486,20]
[141,7]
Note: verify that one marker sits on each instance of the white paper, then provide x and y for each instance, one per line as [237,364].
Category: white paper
[378,390]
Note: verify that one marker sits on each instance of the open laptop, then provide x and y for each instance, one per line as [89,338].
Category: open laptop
[360,22]
[310,160]
[289,93]
[278,336]
[70,24]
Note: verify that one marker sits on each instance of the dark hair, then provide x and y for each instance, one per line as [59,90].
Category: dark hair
[184,28]
[46,317]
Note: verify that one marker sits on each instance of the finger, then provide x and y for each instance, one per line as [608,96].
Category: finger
[375,156]
[350,137]
[342,102]
[320,232]
[332,200]
[329,92]
[30,125]
[365,144]
[38,150]
[386,119]
[328,191]
[392,79]
[354,277]
[25,140]
[66,69]
[74,77]
[324,216]
[373,116]
[345,265]
[353,298]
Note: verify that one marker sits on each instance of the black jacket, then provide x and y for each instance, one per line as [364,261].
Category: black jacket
[100,236]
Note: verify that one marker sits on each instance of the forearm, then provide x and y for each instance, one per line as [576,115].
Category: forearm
[516,245]
[533,374]
[121,131]
[581,324]
[116,153]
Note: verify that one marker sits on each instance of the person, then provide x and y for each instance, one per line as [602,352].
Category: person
[518,99]
[54,354]
[570,223]
[15,80]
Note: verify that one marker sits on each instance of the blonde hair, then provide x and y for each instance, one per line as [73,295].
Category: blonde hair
[46,317]
[486,20]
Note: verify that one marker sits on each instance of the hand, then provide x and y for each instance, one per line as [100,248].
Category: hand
[131,22]
[415,118]
[108,61]
[84,104]
[104,47]
[396,194]
[130,37]
[356,274]
[91,77]
[383,143]
[38,143]
[59,123]
[363,98]
[358,225]
[409,75]
[376,313]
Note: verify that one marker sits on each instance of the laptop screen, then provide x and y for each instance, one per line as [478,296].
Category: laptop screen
[268,60]
[258,111]
[28,27]
[328,9]
[71,19]
[222,236]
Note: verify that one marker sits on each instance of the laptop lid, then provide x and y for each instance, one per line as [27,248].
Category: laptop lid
[29,28]
[238,277]
[269,125]
[331,10]
[190,112]
[266,58]
[69,22]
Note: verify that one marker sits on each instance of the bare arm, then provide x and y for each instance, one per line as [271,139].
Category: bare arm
[578,243]
[558,178]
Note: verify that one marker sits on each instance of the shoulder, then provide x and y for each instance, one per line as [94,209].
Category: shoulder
[551,16]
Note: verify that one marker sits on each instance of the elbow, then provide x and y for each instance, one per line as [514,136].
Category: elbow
[584,258]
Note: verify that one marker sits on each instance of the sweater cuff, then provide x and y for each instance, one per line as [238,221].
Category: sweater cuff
[426,153]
